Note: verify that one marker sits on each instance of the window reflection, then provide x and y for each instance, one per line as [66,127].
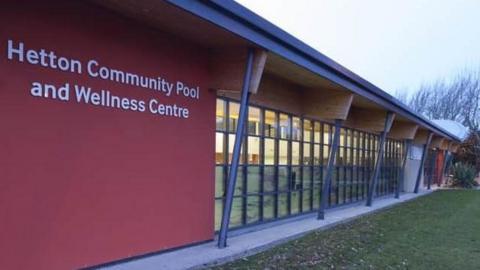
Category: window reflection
[295,153]
[283,161]
[219,148]
[296,128]
[283,152]
[253,156]
[220,115]
[254,121]
[234,109]
[307,130]
[317,132]
[270,126]
[284,126]
[306,154]
[327,131]
[269,151]
[231,143]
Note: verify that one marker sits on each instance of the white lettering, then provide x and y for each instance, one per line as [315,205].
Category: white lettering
[11,51]
[42,58]
[90,68]
[50,91]
[167,110]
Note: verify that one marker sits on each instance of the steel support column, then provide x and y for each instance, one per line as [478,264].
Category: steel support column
[448,158]
[433,171]
[448,164]
[232,173]
[422,162]
[401,180]
[444,166]
[378,163]
[329,170]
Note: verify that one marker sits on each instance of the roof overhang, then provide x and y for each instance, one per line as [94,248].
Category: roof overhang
[239,20]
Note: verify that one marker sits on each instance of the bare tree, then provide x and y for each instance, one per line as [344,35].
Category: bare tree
[457,99]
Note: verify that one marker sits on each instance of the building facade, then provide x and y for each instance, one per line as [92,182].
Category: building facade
[120,119]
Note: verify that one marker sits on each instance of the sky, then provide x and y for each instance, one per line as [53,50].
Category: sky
[396,45]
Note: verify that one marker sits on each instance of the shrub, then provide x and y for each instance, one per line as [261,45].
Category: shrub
[463,175]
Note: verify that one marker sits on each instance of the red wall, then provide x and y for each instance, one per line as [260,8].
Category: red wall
[82,185]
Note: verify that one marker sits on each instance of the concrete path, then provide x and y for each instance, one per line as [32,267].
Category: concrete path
[253,242]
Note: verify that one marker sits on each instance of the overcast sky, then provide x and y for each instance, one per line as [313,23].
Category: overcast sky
[395,45]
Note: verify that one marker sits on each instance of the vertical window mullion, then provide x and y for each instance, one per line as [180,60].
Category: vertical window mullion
[289,164]
[312,163]
[262,162]
[301,166]
[244,170]
[276,140]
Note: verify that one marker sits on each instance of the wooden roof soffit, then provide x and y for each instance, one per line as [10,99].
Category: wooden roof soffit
[453,147]
[403,130]
[421,136]
[227,69]
[445,144]
[436,142]
[368,120]
[326,104]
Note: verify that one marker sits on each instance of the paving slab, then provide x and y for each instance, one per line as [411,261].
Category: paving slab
[240,245]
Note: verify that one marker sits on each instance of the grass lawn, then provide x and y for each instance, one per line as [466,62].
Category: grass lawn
[437,231]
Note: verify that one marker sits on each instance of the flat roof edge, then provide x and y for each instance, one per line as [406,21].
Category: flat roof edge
[241,21]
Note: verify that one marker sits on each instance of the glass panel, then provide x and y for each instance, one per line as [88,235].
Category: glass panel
[254,121]
[348,190]
[270,125]
[269,179]
[233,116]
[326,153]
[253,209]
[316,154]
[316,198]
[253,179]
[282,178]
[348,157]
[316,132]
[355,139]
[236,215]
[295,153]
[218,213]
[307,177]
[220,115]
[306,154]
[295,181]
[348,133]
[268,207]
[295,202]
[341,186]
[326,134]
[354,157]
[341,156]
[333,188]
[307,130]
[219,153]
[239,183]
[306,197]
[269,152]
[317,177]
[296,128]
[284,126]
[283,152]
[219,181]
[253,156]
[342,137]
[231,143]
[282,204]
